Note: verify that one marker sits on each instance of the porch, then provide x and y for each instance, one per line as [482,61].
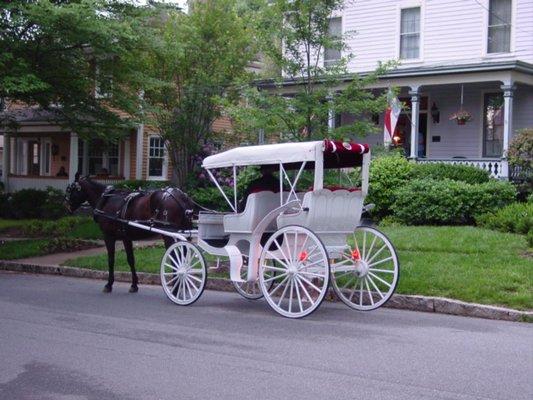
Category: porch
[51,158]
[499,104]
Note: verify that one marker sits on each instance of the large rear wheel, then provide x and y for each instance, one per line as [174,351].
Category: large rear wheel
[300,263]
[365,275]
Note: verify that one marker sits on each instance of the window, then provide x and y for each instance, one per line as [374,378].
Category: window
[332,55]
[410,33]
[156,158]
[499,34]
[97,158]
[493,125]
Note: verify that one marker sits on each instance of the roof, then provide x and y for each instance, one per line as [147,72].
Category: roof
[336,154]
[426,70]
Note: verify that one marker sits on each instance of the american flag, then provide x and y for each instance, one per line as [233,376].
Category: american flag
[391,117]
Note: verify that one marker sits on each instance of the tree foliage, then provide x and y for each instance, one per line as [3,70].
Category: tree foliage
[294,34]
[76,57]
[199,58]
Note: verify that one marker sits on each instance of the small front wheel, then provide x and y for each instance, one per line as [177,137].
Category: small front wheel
[183,273]
[294,271]
[366,273]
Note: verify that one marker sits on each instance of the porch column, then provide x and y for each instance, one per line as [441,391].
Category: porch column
[139,151]
[331,116]
[415,109]
[127,158]
[508,91]
[73,158]
[6,160]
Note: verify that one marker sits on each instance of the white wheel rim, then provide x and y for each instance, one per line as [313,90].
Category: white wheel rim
[301,264]
[183,273]
[366,274]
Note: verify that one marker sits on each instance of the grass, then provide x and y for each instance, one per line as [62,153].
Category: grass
[15,249]
[464,263]
[79,227]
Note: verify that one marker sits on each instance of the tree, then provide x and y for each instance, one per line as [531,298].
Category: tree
[77,58]
[295,35]
[200,58]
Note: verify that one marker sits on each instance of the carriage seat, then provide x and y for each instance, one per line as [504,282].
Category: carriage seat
[258,205]
[327,212]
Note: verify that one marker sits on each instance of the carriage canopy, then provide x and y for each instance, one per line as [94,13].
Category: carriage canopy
[333,154]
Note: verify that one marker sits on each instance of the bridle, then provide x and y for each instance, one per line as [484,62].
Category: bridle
[74,186]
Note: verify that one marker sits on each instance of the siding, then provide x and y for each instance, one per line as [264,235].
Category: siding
[453,32]
[523,108]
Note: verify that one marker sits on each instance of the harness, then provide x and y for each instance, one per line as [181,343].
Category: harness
[110,192]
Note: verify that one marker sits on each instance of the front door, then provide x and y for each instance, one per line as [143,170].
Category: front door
[402,133]
[492,125]
[34,166]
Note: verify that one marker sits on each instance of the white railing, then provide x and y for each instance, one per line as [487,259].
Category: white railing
[496,167]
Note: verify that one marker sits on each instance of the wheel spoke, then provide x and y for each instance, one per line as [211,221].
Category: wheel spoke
[377,253]
[369,292]
[277,259]
[387,271]
[272,268]
[275,277]
[290,296]
[175,285]
[192,283]
[279,285]
[310,264]
[364,245]
[281,250]
[360,294]
[304,290]
[310,283]
[283,294]
[355,278]
[171,267]
[379,279]
[311,274]
[375,287]
[194,277]
[380,261]
[169,282]
[298,296]
[371,247]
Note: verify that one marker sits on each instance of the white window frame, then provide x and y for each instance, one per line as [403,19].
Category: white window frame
[330,62]
[164,175]
[84,168]
[485,47]
[19,155]
[402,6]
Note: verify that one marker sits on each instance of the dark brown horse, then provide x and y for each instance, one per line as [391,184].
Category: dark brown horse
[171,206]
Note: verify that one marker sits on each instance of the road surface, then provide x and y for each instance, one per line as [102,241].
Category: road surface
[61,338]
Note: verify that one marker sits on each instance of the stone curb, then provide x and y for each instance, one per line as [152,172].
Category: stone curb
[439,305]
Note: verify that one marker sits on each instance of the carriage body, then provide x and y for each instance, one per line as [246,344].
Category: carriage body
[289,244]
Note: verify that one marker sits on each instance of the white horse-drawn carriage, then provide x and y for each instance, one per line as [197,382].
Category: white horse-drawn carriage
[288,245]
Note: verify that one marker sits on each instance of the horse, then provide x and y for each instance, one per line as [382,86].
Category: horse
[170,206]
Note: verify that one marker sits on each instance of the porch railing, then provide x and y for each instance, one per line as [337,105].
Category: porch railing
[19,182]
[494,166]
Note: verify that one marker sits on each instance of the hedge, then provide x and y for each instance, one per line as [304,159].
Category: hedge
[33,203]
[515,218]
[455,172]
[447,202]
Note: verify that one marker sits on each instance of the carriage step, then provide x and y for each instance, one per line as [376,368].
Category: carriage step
[235,263]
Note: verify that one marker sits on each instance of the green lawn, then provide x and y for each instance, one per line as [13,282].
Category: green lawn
[22,248]
[464,263]
[80,227]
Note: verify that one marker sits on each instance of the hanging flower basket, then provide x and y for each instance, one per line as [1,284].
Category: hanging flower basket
[461,117]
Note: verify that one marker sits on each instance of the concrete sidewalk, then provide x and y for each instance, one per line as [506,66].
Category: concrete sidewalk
[57,259]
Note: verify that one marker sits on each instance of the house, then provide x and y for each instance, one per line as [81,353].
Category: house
[472,55]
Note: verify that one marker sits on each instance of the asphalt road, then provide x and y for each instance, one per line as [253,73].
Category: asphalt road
[61,338]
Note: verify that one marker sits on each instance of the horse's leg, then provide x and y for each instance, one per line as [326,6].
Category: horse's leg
[110,246]
[128,247]
[168,241]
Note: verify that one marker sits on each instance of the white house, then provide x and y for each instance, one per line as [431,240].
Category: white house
[477,51]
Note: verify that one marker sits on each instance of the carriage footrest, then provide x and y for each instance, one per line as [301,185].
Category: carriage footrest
[235,262]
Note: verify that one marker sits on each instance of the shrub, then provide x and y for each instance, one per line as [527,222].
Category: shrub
[516,218]
[447,202]
[520,152]
[53,228]
[387,174]
[211,198]
[455,172]
[26,203]
[530,238]
[137,184]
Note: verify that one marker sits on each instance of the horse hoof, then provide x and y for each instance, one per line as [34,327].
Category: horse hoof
[134,289]
[107,289]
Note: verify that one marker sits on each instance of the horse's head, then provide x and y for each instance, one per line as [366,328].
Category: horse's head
[75,196]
